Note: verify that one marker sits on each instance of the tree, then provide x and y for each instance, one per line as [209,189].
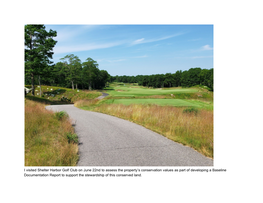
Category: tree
[59,75]
[194,76]
[185,80]
[210,82]
[89,71]
[45,71]
[72,68]
[203,76]
[177,78]
[39,45]
[168,80]
[105,77]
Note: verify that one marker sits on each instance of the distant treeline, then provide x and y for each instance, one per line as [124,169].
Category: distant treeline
[187,78]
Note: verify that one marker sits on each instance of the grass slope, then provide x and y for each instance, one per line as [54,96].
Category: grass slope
[47,137]
[61,95]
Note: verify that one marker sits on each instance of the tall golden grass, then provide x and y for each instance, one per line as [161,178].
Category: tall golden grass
[85,103]
[194,130]
[86,95]
[46,142]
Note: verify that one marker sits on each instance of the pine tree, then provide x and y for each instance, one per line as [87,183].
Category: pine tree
[39,46]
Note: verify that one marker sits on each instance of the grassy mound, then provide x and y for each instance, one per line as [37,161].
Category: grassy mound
[61,95]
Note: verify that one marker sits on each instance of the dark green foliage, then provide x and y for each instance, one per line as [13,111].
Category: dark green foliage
[191,110]
[191,77]
[38,50]
[71,68]
[65,99]
[72,138]
[60,115]
[188,78]
[72,73]
[92,76]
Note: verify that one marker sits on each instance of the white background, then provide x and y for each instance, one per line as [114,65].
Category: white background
[237,106]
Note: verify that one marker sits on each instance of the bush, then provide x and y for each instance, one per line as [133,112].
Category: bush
[72,138]
[191,110]
[65,99]
[60,115]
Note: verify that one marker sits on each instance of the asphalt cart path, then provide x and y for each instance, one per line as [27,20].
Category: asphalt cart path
[106,140]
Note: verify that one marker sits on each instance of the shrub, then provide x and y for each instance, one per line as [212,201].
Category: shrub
[60,115]
[191,110]
[72,138]
[65,99]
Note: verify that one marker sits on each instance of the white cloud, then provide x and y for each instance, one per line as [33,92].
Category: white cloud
[84,47]
[142,40]
[138,41]
[206,47]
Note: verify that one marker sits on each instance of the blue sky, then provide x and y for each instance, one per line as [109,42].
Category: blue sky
[137,49]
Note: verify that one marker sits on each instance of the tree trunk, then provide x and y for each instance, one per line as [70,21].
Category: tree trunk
[76,86]
[33,84]
[72,85]
[32,74]
[40,85]
[90,85]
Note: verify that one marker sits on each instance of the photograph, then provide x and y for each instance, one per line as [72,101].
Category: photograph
[119,95]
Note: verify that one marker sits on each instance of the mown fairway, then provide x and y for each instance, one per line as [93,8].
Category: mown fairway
[128,94]
[127,90]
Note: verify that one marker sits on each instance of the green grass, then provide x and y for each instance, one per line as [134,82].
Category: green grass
[134,91]
[125,93]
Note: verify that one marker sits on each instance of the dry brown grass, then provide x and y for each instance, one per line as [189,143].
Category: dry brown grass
[85,102]
[194,130]
[46,143]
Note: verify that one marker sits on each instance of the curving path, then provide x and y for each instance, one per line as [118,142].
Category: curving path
[106,140]
[103,95]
